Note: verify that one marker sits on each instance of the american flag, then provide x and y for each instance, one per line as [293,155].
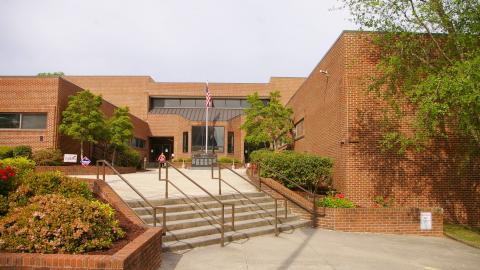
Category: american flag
[208,97]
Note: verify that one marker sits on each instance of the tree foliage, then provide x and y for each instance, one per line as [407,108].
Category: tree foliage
[267,123]
[120,129]
[82,119]
[430,66]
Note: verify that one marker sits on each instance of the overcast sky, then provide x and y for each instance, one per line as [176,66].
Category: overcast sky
[170,40]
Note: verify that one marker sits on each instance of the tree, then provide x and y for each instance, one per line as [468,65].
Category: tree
[83,119]
[120,129]
[267,123]
[430,67]
[51,74]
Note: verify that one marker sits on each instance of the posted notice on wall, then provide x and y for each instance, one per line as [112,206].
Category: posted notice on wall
[425,220]
[70,158]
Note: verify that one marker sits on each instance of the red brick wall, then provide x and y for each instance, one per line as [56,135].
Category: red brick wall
[30,94]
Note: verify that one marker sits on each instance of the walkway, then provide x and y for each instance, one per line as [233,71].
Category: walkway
[147,183]
[321,249]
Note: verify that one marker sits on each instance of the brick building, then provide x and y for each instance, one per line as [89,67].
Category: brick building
[333,114]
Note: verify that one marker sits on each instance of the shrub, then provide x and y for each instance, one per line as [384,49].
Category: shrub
[337,201]
[304,169]
[22,151]
[228,160]
[56,224]
[54,182]
[128,157]
[3,205]
[7,179]
[22,165]
[183,159]
[48,157]
[6,152]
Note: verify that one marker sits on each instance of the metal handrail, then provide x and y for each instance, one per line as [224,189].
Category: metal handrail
[241,193]
[314,196]
[222,222]
[164,210]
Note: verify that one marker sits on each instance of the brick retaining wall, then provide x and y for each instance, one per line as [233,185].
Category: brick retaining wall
[80,170]
[144,252]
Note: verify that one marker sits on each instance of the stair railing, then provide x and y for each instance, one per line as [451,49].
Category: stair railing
[220,180]
[104,164]
[284,178]
[221,223]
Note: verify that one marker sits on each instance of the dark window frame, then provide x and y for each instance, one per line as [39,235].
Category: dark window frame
[185,142]
[20,120]
[230,142]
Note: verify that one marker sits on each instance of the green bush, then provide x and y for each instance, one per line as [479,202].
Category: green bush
[228,160]
[3,205]
[8,179]
[306,170]
[48,157]
[22,151]
[56,224]
[183,159]
[22,165]
[6,152]
[54,182]
[337,201]
[128,157]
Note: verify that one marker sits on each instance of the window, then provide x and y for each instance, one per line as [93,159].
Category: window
[137,142]
[230,142]
[299,130]
[215,141]
[172,103]
[187,103]
[232,103]
[185,142]
[23,120]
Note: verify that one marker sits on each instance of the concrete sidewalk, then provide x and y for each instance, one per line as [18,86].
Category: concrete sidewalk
[308,248]
[148,184]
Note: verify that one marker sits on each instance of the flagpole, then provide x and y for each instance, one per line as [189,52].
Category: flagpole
[206,127]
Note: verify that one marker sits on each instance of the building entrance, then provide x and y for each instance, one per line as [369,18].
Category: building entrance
[161,145]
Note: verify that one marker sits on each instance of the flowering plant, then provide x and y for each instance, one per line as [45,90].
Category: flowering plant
[7,174]
[335,201]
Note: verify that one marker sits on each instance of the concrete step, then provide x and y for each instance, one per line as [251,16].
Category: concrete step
[205,205]
[206,220]
[229,236]
[212,211]
[172,201]
[181,234]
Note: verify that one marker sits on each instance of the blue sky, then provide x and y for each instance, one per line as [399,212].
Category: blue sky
[171,40]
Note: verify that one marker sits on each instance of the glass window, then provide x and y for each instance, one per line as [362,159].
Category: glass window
[299,130]
[230,142]
[232,103]
[244,103]
[187,103]
[158,103]
[215,141]
[9,120]
[219,103]
[200,103]
[172,102]
[185,142]
[139,143]
[34,121]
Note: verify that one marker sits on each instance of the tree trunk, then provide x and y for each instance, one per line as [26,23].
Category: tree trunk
[81,150]
[113,155]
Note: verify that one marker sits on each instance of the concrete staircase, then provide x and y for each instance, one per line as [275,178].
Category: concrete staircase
[189,227]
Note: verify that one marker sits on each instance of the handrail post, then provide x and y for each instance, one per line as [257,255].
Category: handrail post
[314,222]
[104,170]
[154,216]
[166,170]
[219,186]
[164,220]
[219,171]
[159,171]
[233,217]
[223,226]
[212,169]
[276,217]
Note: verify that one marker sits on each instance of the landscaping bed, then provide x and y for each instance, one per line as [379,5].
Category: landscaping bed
[465,234]
[81,170]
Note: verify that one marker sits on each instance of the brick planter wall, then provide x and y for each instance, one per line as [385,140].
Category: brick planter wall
[80,170]
[144,252]
[404,220]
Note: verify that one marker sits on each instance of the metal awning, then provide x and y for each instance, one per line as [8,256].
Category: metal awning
[198,114]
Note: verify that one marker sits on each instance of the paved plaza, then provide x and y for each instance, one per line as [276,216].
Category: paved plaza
[148,184]
[320,249]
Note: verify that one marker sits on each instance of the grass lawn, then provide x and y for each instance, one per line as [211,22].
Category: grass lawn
[464,234]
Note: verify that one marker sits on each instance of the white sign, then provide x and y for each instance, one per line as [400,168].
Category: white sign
[425,220]
[71,158]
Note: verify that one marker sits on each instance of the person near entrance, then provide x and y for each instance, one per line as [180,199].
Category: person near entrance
[162,159]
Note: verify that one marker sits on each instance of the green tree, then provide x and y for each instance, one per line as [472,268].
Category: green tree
[430,67]
[267,123]
[120,129]
[82,119]
[51,74]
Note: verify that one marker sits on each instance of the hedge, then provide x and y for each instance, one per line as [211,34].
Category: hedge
[306,170]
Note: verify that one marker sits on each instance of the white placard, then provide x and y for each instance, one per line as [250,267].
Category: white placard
[70,158]
[425,220]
